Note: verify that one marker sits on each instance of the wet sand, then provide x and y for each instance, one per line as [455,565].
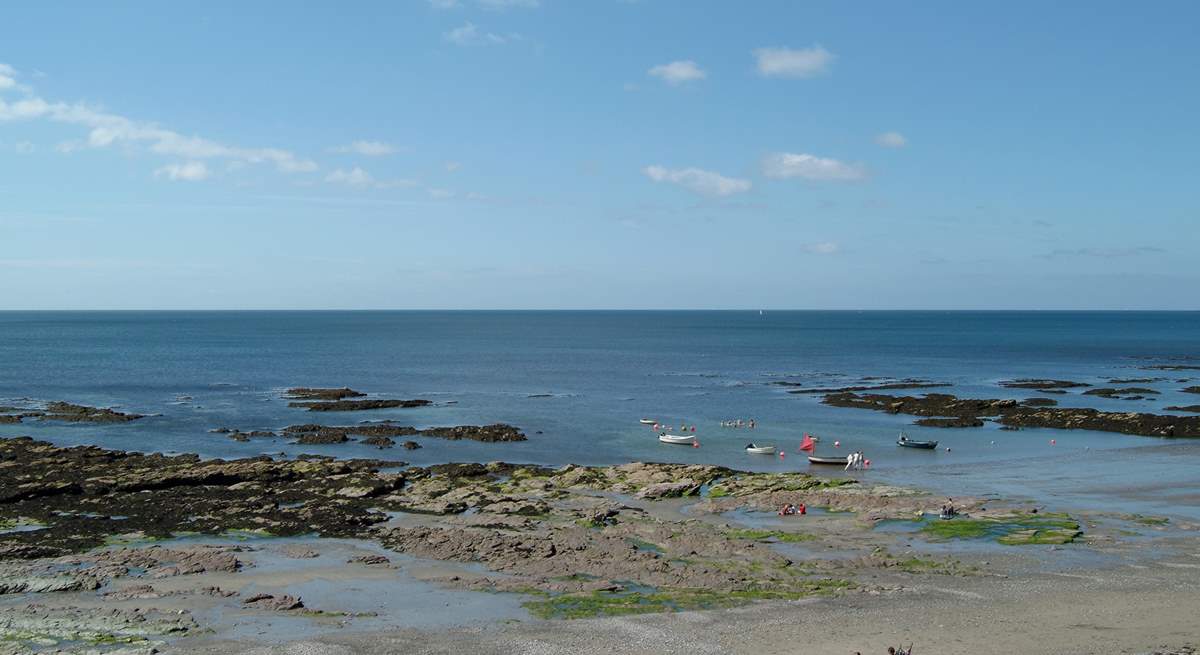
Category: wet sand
[1130,609]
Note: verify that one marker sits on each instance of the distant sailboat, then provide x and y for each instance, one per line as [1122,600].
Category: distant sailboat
[760,312]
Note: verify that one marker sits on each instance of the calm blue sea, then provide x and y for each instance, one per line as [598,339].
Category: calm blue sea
[577,383]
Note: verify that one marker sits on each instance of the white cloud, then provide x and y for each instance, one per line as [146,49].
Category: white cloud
[509,4]
[355,177]
[700,181]
[444,4]
[678,72]
[24,148]
[891,140]
[786,62]
[192,171]
[8,77]
[453,166]
[469,34]
[108,129]
[822,248]
[788,165]
[440,194]
[367,148]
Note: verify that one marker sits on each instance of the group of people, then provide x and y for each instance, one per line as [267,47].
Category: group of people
[792,510]
[948,510]
[855,461]
[738,423]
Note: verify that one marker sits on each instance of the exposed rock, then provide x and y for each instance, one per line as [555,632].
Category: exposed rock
[67,412]
[73,491]
[1010,412]
[325,434]
[685,487]
[317,393]
[358,405]
[950,422]
[1039,402]
[379,442]
[271,603]
[35,626]
[1171,367]
[487,433]
[370,560]
[902,384]
[1193,389]
[1043,385]
[1128,393]
[1134,380]
[1183,408]
[323,437]
[411,445]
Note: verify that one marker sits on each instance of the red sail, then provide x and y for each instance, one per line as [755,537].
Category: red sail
[808,444]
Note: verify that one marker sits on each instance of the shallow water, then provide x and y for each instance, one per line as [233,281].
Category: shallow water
[604,370]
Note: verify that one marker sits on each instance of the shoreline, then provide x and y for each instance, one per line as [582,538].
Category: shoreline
[564,544]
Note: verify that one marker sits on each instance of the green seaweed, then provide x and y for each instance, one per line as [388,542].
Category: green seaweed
[601,603]
[767,535]
[1012,530]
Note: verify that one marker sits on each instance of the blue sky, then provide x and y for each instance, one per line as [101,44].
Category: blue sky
[600,154]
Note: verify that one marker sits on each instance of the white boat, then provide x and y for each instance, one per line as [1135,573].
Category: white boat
[684,439]
[755,449]
[648,421]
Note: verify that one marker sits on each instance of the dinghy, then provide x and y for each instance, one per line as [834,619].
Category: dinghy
[648,421]
[831,461]
[755,449]
[912,443]
[682,439]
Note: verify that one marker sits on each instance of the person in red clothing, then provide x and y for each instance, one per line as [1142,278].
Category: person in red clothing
[802,509]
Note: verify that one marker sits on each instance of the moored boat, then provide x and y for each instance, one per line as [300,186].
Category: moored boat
[648,421]
[683,439]
[913,443]
[756,449]
[831,461]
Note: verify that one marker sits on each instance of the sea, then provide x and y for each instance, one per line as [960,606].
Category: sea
[578,382]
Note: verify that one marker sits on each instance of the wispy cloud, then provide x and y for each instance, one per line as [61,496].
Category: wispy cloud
[700,181]
[678,72]
[355,177]
[445,4]
[440,194]
[453,166]
[786,165]
[1105,253]
[8,77]
[107,129]
[469,34]
[366,148]
[891,140]
[787,62]
[192,171]
[822,248]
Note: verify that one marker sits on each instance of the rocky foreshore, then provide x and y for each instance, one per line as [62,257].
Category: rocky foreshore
[551,530]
